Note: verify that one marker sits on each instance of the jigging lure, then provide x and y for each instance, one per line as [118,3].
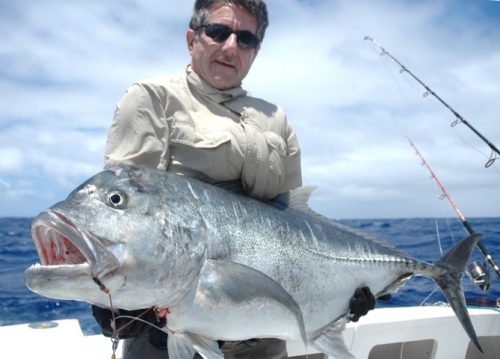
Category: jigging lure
[464,221]
[459,119]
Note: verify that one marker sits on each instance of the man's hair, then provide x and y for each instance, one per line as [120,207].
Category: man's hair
[257,8]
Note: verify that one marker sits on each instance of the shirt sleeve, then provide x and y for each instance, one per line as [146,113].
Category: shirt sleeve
[271,163]
[139,131]
[293,170]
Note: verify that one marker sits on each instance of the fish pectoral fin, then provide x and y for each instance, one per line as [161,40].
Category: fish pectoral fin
[185,345]
[331,341]
[229,282]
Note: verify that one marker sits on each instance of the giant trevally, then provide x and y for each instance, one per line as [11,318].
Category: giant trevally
[223,265]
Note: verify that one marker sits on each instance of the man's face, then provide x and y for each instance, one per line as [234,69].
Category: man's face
[223,65]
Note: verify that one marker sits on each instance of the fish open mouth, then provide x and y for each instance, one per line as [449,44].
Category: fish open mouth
[73,259]
[62,242]
[51,233]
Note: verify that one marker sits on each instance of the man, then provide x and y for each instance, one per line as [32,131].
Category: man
[204,125]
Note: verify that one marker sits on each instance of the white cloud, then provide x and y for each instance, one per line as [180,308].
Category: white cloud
[10,159]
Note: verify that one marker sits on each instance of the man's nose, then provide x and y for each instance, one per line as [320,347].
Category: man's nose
[231,44]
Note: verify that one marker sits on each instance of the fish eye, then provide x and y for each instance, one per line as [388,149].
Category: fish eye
[117,199]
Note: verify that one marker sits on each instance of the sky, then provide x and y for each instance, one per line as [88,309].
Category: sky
[65,64]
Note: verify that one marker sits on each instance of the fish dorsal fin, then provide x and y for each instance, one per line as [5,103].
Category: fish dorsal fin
[297,199]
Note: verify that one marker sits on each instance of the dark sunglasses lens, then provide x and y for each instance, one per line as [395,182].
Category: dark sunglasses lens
[218,32]
[248,39]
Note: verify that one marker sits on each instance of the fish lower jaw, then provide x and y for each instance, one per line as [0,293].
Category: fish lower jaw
[61,269]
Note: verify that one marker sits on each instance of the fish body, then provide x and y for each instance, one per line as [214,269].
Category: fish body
[227,267]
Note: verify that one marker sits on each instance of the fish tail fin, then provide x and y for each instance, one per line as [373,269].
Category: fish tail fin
[449,278]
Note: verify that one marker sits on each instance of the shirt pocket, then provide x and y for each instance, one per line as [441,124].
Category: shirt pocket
[184,130]
[207,148]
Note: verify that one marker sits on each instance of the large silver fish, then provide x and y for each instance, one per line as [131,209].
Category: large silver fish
[226,266]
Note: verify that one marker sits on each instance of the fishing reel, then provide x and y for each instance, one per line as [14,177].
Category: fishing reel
[480,276]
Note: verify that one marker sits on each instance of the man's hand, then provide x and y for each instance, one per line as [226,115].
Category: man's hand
[361,302]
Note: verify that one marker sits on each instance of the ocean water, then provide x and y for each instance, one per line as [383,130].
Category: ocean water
[418,237]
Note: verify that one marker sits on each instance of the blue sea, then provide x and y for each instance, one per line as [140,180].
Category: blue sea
[421,238]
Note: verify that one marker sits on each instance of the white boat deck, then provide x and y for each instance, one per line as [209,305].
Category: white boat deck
[410,333]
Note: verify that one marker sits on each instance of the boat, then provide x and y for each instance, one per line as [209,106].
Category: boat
[421,332]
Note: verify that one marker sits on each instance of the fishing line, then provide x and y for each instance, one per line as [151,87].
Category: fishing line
[475,148]
[139,319]
[115,339]
[458,118]
[438,237]
[439,212]
[450,231]
[396,82]
[428,297]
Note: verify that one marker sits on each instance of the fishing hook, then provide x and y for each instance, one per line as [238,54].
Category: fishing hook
[100,285]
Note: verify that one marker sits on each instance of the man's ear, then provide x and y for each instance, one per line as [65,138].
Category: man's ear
[190,35]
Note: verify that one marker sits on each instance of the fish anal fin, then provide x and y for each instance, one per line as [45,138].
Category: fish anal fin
[180,346]
[185,345]
[331,341]
[208,349]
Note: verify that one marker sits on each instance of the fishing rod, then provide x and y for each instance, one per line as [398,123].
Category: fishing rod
[479,275]
[459,119]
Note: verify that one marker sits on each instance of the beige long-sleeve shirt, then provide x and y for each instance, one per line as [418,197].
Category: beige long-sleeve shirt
[185,125]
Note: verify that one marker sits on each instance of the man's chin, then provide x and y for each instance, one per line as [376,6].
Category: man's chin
[224,83]
[225,77]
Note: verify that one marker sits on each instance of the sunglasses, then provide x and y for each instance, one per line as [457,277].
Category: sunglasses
[220,33]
